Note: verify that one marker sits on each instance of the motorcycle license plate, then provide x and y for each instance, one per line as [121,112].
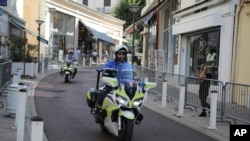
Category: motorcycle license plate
[66,72]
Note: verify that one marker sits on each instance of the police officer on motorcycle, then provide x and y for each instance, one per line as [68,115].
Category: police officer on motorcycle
[70,58]
[110,69]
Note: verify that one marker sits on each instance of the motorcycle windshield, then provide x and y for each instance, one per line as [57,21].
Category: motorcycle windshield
[124,73]
[125,76]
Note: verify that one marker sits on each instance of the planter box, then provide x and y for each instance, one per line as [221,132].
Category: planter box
[31,68]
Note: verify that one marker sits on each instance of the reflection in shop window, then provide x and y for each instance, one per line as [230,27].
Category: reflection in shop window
[204,50]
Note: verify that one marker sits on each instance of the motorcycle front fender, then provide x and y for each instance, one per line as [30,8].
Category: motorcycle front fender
[67,72]
[127,114]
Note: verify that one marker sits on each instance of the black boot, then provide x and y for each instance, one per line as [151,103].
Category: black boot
[203,114]
[97,114]
[73,76]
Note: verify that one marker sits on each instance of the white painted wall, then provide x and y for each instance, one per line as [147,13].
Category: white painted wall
[19,8]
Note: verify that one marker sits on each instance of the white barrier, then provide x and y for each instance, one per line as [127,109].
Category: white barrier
[181,101]
[212,121]
[11,104]
[146,93]
[20,86]
[37,128]
[164,95]
[22,95]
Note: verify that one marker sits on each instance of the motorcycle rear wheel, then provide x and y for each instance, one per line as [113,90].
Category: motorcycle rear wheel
[127,129]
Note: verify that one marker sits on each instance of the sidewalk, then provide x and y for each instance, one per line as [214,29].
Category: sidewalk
[189,119]
[7,130]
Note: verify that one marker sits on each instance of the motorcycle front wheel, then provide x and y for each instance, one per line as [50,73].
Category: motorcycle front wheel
[66,78]
[127,129]
[103,127]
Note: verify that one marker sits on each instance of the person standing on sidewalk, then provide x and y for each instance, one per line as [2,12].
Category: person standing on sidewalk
[204,89]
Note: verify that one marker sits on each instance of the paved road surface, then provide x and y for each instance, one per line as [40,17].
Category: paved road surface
[66,115]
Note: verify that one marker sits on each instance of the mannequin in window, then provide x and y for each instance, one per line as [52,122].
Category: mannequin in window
[211,56]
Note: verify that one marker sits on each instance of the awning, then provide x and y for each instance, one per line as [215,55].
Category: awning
[151,12]
[21,26]
[97,33]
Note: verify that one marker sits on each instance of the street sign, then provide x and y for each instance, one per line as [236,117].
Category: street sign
[42,40]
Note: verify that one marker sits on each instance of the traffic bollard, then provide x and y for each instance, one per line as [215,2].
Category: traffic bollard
[90,61]
[181,101]
[37,128]
[20,86]
[11,104]
[146,93]
[83,62]
[164,95]
[19,72]
[22,95]
[15,78]
[212,120]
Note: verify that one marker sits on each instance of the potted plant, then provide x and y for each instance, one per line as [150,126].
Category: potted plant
[22,55]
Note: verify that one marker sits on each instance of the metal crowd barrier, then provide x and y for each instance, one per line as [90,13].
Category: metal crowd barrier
[236,102]
[193,99]
[233,99]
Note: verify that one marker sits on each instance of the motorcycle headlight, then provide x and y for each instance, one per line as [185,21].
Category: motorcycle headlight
[123,101]
[137,103]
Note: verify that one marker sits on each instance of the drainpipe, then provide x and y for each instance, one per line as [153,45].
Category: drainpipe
[235,48]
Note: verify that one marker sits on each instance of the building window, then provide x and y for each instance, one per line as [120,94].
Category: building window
[85,2]
[204,50]
[107,2]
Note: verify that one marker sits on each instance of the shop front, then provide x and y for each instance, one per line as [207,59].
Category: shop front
[206,38]
[62,37]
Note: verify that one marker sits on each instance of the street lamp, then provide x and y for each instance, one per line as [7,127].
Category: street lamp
[133,9]
[39,22]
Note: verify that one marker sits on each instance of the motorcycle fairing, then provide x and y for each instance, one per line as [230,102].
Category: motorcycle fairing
[138,95]
[126,114]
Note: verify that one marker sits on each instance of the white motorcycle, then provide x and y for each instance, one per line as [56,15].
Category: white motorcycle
[120,109]
[67,70]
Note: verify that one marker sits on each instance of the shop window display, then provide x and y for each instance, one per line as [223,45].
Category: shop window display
[204,49]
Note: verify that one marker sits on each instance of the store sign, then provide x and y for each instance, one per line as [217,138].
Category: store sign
[3,2]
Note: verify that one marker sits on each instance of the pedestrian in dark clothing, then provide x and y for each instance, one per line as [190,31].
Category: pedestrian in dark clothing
[204,89]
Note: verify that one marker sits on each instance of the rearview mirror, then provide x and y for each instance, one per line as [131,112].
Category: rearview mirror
[110,81]
[149,85]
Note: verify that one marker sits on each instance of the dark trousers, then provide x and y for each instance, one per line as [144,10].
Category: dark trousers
[203,94]
[103,94]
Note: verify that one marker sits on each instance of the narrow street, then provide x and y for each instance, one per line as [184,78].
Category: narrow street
[67,117]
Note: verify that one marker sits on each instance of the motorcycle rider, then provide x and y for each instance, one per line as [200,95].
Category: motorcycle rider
[70,58]
[111,66]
